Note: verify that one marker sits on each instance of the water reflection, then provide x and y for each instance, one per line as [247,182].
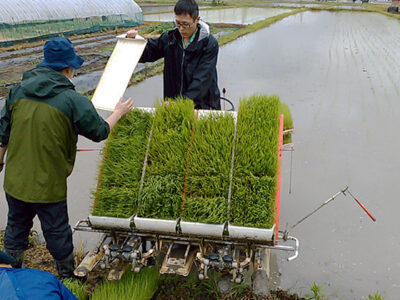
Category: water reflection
[242,15]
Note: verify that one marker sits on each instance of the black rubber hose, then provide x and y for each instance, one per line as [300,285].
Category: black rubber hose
[230,102]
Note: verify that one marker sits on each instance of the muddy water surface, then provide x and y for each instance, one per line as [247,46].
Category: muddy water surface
[338,72]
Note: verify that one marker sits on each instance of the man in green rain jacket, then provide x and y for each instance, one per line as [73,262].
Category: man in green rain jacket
[39,125]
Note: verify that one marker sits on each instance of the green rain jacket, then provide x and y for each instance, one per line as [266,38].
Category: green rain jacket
[40,122]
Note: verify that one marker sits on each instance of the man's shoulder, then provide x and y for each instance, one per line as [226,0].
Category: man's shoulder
[212,40]
[209,43]
[73,95]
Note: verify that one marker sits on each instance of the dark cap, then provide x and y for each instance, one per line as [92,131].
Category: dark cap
[59,53]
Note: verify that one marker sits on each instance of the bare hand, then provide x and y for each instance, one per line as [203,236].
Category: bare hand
[123,108]
[132,33]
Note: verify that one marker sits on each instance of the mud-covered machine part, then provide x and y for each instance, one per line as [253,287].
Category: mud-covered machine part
[226,248]
[137,241]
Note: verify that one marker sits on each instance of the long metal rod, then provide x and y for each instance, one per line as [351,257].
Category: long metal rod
[322,205]
[362,206]
[145,157]
[235,120]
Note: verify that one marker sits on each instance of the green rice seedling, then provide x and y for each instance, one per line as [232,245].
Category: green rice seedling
[287,121]
[131,286]
[77,288]
[173,122]
[120,202]
[206,210]
[126,150]
[256,162]
[207,181]
[121,168]
[257,136]
[211,150]
[253,201]
[208,186]
[161,197]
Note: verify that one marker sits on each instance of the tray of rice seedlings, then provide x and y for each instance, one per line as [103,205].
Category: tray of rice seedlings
[161,196]
[209,164]
[132,285]
[256,162]
[121,168]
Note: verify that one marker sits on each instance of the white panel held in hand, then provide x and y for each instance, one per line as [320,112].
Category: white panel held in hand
[118,71]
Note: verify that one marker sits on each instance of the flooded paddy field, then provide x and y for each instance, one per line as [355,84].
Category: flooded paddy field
[338,73]
[241,15]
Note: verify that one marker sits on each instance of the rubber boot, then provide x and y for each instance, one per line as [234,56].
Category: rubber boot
[18,256]
[66,267]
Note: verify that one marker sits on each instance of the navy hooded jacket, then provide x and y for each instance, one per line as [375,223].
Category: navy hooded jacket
[189,72]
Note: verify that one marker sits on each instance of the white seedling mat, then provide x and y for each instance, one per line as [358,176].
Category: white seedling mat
[118,71]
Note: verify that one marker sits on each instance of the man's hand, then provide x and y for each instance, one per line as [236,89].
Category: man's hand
[132,33]
[121,109]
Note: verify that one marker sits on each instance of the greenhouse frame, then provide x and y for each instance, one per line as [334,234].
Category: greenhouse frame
[29,20]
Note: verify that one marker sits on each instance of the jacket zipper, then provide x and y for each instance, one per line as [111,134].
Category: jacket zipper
[183,59]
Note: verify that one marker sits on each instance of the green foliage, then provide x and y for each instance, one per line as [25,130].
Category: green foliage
[159,28]
[77,288]
[257,137]
[173,124]
[131,286]
[208,173]
[253,201]
[206,210]
[119,202]
[375,296]
[161,197]
[315,293]
[126,150]
[178,287]
[211,151]
[121,169]
[189,163]
[256,162]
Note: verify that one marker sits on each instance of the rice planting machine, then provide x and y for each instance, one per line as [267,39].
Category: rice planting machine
[138,242]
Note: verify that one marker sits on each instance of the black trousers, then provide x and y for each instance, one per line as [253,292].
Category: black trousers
[53,220]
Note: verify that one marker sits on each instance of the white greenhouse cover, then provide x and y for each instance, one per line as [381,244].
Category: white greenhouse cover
[14,11]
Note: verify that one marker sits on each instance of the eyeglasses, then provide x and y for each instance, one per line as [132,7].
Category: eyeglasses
[183,25]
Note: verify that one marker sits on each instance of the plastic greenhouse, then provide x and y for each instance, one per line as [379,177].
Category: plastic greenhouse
[24,20]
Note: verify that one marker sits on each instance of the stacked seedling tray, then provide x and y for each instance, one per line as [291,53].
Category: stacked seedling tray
[161,194]
[195,167]
[209,164]
[121,170]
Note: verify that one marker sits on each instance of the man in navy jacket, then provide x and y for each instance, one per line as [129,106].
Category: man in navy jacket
[190,55]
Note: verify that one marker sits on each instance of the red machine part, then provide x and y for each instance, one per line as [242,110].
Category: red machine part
[278,183]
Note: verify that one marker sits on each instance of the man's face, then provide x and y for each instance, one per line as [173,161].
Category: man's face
[186,25]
